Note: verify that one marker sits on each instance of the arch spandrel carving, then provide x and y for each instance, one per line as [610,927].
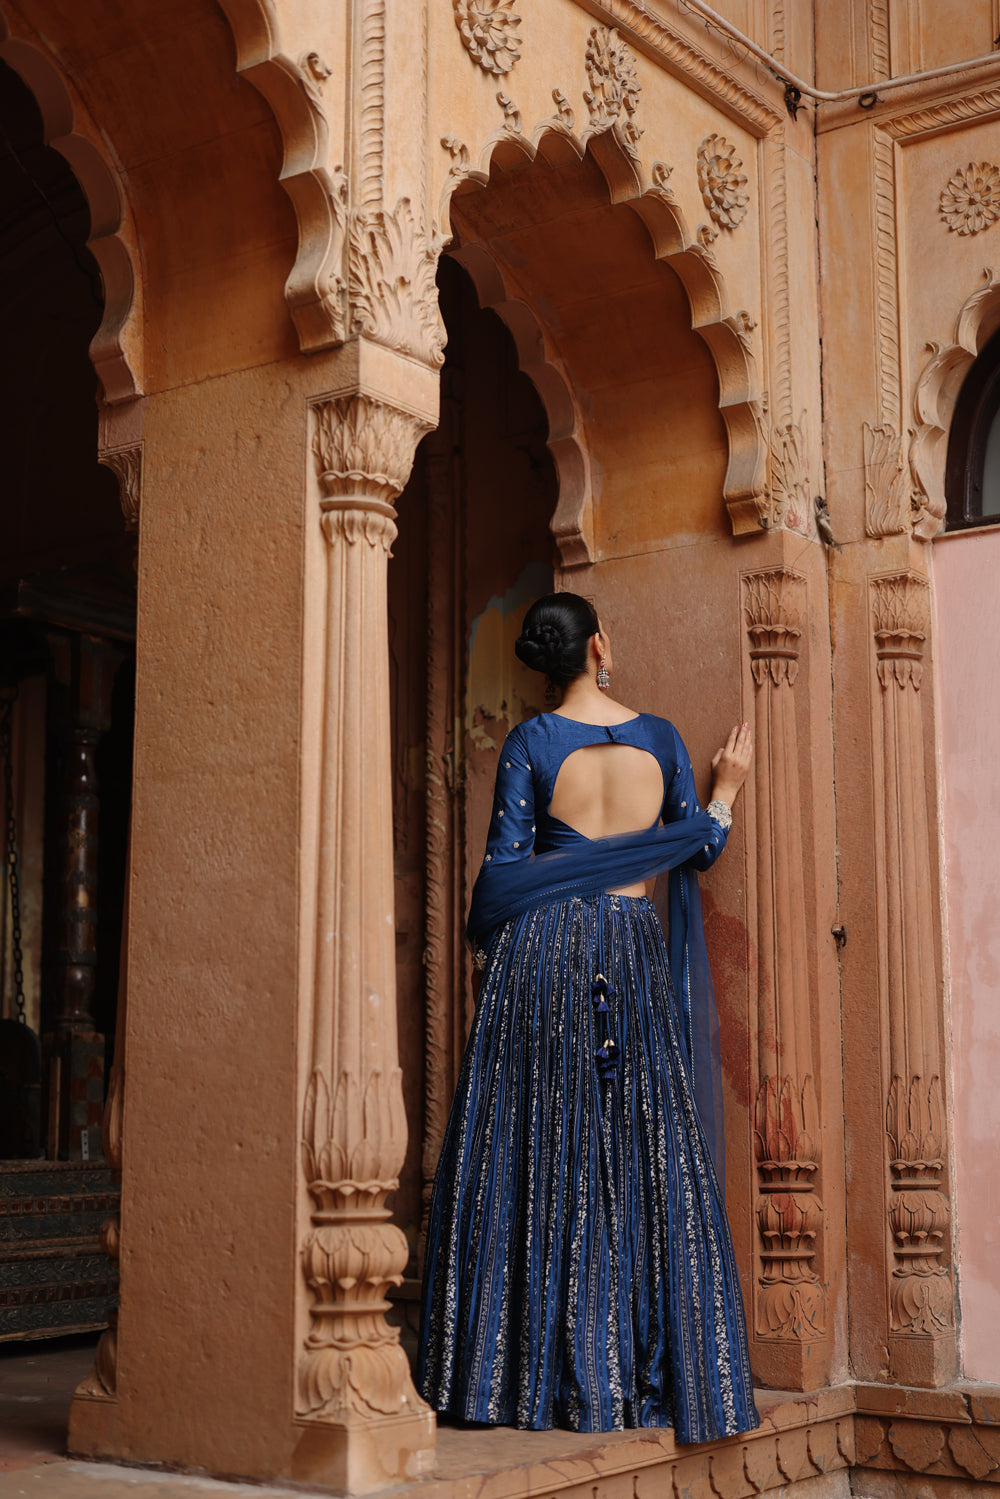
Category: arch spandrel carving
[116,348]
[724,334]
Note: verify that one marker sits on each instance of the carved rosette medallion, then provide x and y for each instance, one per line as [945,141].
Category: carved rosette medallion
[488,29]
[970,202]
[392,266]
[614,87]
[722,181]
[789,1303]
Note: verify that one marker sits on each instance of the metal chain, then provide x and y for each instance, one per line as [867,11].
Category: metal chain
[13,874]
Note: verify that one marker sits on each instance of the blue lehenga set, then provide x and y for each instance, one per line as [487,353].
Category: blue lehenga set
[579,1270]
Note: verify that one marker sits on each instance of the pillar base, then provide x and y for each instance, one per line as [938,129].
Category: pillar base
[360,1457]
[791,1365]
[94,1425]
[924,1360]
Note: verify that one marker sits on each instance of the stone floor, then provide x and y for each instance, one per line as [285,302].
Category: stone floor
[37,1381]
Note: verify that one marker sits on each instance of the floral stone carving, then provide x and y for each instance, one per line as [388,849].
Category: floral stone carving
[971,200]
[489,33]
[614,86]
[722,181]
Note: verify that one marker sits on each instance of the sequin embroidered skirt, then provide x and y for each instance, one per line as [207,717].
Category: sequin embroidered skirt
[579,1270]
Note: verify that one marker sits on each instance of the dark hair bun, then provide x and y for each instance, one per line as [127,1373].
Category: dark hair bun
[541,648]
[555,634]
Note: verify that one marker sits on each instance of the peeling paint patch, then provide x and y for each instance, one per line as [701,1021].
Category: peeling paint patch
[500,690]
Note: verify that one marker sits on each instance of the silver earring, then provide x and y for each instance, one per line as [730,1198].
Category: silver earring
[603,676]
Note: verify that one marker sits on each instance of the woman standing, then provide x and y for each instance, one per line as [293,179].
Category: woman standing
[579,1270]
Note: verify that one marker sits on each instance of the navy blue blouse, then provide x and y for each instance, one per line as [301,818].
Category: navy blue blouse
[530,761]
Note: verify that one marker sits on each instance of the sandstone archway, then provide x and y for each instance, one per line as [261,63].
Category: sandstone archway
[607,293]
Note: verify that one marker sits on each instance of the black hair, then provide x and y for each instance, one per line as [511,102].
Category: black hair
[555,634]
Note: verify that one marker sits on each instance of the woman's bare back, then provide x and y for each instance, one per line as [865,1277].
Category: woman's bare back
[606,789]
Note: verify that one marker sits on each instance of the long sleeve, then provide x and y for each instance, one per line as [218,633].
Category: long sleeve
[681,801]
[512,826]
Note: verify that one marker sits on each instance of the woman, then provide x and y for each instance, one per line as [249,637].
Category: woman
[579,1270]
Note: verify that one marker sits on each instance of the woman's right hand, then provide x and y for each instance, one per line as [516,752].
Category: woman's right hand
[731,764]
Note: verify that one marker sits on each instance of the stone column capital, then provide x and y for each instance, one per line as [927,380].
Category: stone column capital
[363,446]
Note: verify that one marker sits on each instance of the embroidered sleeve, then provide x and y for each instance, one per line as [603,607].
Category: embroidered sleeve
[512,826]
[681,800]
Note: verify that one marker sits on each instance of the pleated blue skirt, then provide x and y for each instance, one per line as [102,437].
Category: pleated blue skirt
[579,1270]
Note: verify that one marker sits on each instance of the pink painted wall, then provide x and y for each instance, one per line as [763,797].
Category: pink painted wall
[967,597]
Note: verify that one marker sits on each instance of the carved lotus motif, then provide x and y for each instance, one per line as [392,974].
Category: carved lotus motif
[971,200]
[722,181]
[489,32]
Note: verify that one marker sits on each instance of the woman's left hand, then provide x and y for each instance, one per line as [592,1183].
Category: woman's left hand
[731,764]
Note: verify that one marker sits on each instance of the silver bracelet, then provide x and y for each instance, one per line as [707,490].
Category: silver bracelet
[720,812]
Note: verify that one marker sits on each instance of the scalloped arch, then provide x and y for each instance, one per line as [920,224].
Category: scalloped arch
[314,290]
[937,392]
[116,348]
[744,489]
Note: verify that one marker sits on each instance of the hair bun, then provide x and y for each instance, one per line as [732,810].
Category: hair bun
[541,648]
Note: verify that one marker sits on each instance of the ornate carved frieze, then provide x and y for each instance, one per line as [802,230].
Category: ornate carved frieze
[775,228]
[921,1293]
[886,279]
[364,447]
[126,465]
[888,487]
[613,96]
[371,135]
[392,264]
[722,181]
[970,200]
[790,490]
[966,1447]
[938,117]
[789,1303]
[488,29]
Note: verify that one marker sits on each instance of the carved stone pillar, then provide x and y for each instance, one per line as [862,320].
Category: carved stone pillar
[354,1379]
[789,1312]
[921,1290]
